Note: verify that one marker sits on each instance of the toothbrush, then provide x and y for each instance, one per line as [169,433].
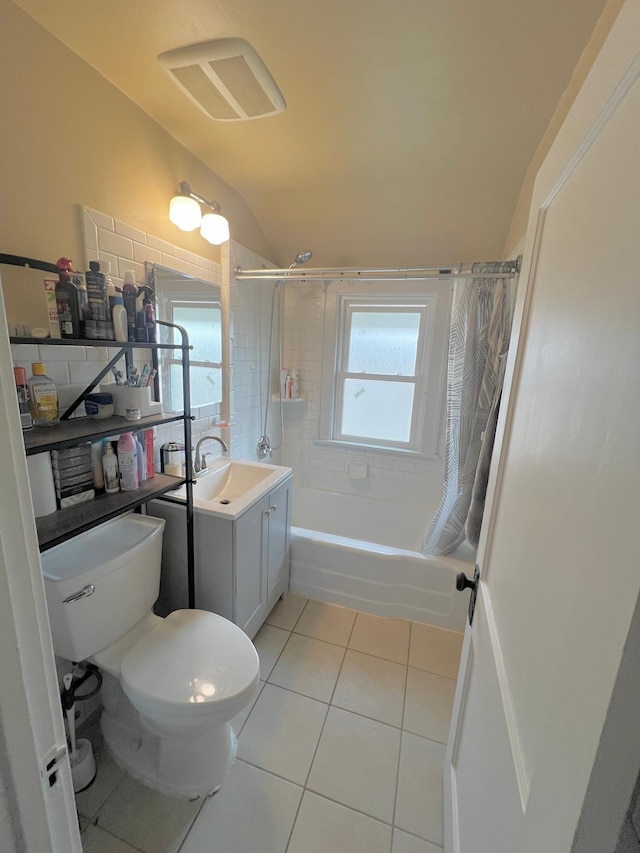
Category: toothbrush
[144,376]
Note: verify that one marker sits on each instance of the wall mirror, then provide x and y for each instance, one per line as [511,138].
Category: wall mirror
[195,305]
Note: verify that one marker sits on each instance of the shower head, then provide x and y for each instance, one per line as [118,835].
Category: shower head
[303,257]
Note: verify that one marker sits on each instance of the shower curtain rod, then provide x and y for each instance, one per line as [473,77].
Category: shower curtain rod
[494,269]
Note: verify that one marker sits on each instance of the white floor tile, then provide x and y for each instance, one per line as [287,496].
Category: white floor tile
[287,611]
[282,733]
[382,637]
[435,649]
[357,763]
[96,840]
[419,802]
[372,687]
[308,666]
[405,843]
[428,704]
[269,642]
[240,719]
[147,819]
[252,813]
[326,622]
[326,827]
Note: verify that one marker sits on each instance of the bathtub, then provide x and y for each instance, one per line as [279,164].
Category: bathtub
[364,553]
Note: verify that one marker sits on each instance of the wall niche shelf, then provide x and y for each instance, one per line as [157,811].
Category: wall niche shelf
[275,398]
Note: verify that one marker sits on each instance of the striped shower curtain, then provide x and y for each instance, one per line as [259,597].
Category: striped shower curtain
[480,329]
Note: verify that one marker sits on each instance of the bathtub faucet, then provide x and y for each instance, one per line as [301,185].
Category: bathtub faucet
[201,460]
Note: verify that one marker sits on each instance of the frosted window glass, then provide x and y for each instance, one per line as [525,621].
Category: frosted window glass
[383,342]
[375,409]
[206,386]
[204,326]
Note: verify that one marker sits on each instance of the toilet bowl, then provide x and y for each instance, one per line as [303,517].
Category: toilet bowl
[171,686]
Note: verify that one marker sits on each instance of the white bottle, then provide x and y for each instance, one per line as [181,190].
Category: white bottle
[110,470]
[127,462]
[141,460]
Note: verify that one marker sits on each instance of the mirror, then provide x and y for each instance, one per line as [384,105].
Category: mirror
[195,305]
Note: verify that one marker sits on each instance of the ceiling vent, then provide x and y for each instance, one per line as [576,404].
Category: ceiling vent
[225,78]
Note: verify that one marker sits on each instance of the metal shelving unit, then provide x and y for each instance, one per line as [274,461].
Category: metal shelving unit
[65,523]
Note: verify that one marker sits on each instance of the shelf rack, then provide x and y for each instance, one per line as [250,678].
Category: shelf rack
[64,523]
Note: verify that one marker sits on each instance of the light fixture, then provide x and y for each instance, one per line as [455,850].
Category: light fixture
[185,212]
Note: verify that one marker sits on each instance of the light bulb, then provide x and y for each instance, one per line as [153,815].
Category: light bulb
[214,228]
[185,212]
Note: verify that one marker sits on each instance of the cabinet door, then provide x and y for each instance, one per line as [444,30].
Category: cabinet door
[250,538]
[278,547]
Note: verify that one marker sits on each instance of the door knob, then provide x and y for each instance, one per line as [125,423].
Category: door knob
[463,582]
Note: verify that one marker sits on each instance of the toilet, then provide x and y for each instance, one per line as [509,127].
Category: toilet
[170,686]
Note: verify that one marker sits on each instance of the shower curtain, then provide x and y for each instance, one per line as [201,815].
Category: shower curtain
[480,329]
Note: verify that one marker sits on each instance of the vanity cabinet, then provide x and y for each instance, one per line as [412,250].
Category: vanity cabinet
[241,565]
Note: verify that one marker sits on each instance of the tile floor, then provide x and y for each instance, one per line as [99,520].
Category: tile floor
[341,750]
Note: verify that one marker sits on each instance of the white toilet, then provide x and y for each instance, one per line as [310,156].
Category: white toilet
[170,686]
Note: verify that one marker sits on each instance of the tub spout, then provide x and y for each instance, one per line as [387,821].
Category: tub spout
[200,463]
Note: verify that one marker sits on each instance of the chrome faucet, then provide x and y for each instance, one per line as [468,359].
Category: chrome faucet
[200,463]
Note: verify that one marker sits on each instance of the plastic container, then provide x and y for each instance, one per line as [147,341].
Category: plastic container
[22,389]
[129,293]
[140,459]
[119,315]
[43,493]
[99,406]
[110,469]
[98,299]
[127,463]
[44,397]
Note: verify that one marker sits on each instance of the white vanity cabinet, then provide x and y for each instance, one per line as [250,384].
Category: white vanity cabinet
[241,564]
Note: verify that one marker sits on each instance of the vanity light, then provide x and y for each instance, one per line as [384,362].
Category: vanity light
[185,212]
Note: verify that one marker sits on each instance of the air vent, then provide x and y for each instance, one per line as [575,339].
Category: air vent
[225,78]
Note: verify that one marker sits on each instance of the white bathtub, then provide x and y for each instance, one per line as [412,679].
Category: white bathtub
[364,553]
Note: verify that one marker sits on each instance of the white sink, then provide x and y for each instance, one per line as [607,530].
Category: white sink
[230,486]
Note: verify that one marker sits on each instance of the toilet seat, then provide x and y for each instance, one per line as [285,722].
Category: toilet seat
[192,663]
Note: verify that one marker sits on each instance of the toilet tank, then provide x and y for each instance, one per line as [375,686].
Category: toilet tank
[101,583]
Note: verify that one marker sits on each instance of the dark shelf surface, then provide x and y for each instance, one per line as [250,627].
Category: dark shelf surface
[77,430]
[78,342]
[65,523]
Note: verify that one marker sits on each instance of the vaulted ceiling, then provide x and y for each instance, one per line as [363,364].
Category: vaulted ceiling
[409,124]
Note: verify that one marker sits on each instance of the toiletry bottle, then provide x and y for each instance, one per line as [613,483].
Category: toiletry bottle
[20,375]
[141,460]
[129,292]
[71,300]
[98,301]
[150,321]
[97,452]
[44,397]
[288,387]
[119,314]
[127,462]
[295,385]
[111,294]
[110,469]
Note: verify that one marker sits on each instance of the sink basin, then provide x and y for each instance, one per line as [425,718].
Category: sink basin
[229,482]
[231,486]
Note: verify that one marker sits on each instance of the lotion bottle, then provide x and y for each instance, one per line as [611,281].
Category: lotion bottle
[127,462]
[110,469]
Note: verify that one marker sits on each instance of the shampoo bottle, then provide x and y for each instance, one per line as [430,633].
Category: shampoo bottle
[129,293]
[98,300]
[110,469]
[127,462]
[141,460]
[119,314]
[44,397]
[20,376]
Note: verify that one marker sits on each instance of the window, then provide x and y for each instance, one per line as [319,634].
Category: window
[383,373]
[202,321]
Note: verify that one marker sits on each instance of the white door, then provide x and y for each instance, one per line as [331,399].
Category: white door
[37,806]
[559,564]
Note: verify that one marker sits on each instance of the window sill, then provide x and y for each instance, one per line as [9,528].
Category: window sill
[376,448]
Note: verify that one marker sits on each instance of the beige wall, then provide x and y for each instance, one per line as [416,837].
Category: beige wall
[521,214]
[68,137]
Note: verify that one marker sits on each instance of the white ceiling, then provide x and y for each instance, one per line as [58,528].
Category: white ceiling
[409,123]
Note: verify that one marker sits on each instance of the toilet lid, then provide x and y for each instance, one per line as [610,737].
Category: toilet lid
[191,659]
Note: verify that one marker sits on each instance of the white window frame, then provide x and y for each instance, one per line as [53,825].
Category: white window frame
[170,357]
[432,300]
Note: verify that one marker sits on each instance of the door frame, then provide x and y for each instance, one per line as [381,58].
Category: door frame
[40,802]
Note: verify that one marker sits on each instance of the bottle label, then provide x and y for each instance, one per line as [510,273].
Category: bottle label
[45,402]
